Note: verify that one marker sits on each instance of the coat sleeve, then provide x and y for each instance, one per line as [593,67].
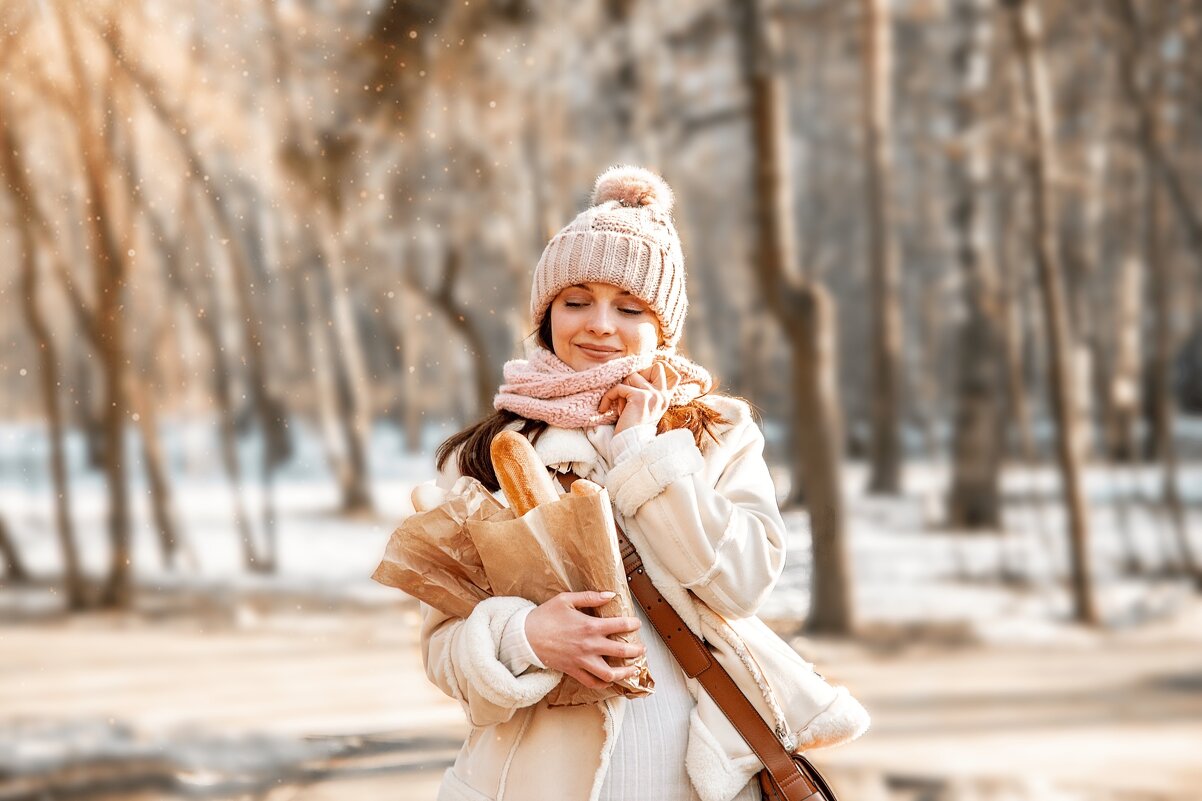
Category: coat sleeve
[462,656]
[711,520]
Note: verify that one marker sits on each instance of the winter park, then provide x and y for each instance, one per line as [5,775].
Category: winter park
[345,365]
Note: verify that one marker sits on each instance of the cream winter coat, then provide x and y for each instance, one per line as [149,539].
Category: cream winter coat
[709,531]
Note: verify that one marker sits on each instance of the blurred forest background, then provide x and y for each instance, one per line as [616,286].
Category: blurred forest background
[257,259]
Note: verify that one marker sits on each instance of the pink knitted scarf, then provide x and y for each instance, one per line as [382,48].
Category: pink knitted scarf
[544,387]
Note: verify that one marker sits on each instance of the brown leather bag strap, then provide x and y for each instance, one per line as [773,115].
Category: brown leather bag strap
[697,662]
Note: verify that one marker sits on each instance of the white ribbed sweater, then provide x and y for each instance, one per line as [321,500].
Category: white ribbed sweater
[648,757]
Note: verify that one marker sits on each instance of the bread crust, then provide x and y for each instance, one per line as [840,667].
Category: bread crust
[521,473]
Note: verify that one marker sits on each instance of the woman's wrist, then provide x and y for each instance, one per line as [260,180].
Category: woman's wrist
[514,651]
[630,441]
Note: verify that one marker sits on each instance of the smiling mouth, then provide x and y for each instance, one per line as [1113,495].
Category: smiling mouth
[597,351]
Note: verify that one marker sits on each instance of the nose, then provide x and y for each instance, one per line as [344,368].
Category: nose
[601,321]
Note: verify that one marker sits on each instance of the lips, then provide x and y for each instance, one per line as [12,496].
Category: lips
[598,351]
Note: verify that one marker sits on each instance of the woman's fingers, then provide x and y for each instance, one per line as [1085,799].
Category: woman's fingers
[637,381]
[577,643]
[605,626]
[607,673]
[618,648]
[587,679]
[612,399]
[586,599]
[671,376]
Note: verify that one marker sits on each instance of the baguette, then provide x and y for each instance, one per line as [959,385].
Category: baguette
[582,486]
[521,473]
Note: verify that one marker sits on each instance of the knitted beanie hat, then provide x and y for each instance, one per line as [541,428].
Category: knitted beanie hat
[627,239]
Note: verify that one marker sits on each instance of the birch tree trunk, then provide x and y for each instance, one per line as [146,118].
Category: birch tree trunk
[974,500]
[885,453]
[807,315]
[1028,42]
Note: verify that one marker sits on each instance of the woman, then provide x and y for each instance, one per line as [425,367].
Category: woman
[604,395]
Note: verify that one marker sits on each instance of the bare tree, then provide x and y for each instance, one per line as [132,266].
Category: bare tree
[975,499]
[1028,42]
[269,410]
[806,312]
[110,274]
[1164,341]
[886,455]
[12,172]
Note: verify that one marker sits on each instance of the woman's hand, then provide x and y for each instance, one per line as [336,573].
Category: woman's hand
[642,397]
[568,640]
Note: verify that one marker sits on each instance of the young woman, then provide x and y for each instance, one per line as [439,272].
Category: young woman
[604,395]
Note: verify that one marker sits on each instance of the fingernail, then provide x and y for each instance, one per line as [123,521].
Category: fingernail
[608,594]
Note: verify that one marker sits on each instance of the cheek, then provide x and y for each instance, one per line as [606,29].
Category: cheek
[644,338]
[565,327]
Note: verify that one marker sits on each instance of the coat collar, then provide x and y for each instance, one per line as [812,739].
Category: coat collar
[575,450]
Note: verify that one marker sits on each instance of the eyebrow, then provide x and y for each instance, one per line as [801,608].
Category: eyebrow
[586,289]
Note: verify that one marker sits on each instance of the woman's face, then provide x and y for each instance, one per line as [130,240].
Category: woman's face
[594,323]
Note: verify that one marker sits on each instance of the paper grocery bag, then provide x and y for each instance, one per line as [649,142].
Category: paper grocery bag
[566,545]
[431,557]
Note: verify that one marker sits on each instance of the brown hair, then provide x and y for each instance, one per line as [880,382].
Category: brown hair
[474,443]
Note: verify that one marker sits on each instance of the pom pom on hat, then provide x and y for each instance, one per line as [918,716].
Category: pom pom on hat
[632,187]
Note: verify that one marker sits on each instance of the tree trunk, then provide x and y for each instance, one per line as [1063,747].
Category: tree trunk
[1041,165]
[974,501]
[12,170]
[110,276]
[161,503]
[1123,384]
[1160,266]
[1018,409]
[806,313]
[818,430]
[10,558]
[886,334]
[348,369]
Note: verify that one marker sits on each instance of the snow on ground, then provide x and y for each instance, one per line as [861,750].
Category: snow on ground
[907,569]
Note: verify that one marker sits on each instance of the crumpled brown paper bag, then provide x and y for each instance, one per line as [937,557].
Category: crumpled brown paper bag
[568,545]
[430,555]
[470,547]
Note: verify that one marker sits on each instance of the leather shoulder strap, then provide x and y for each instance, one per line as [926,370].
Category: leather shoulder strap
[697,662]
